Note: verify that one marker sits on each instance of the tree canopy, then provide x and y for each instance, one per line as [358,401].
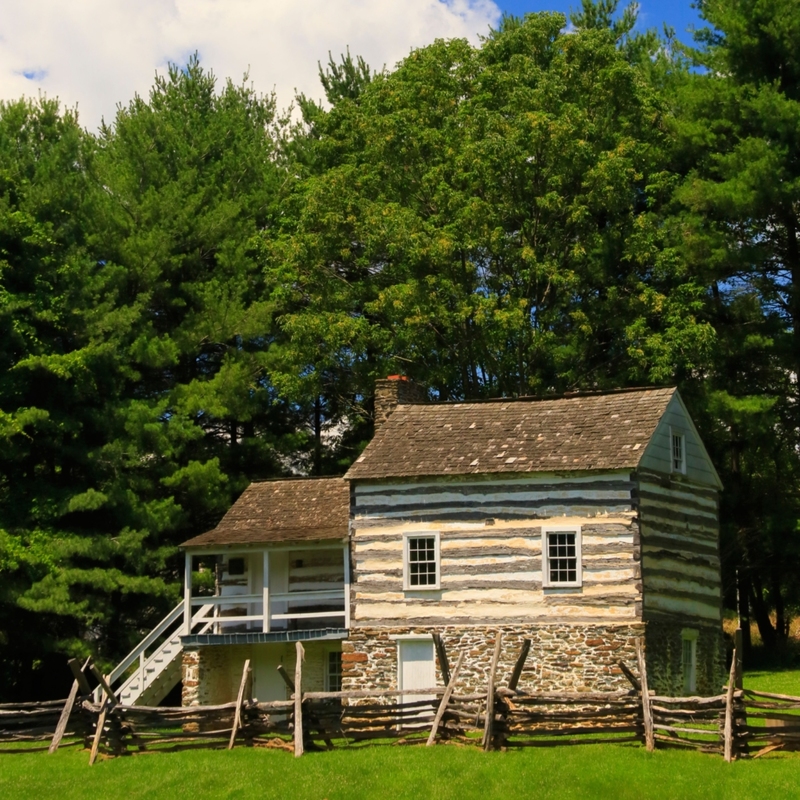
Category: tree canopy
[205,291]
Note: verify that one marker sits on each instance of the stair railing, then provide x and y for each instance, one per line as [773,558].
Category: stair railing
[139,652]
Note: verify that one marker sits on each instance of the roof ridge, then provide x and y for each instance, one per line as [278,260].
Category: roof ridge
[542,398]
[296,479]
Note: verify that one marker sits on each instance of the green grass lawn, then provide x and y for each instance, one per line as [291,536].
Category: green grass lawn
[388,772]
[777,681]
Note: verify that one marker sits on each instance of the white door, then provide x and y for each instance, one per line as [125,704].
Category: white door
[416,667]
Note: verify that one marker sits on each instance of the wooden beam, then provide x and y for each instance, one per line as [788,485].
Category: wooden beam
[286,679]
[488,728]
[647,712]
[64,718]
[445,699]
[728,730]
[444,664]
[237,717]
[101,679]
[347,585]
[630,676]
[265,592]
[98,734]
[298,701]
[108,702]
[518,667]
[187,594]
[80,675]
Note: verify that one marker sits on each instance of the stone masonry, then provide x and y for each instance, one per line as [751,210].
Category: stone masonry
[393,391]
[563,657]
[665,653]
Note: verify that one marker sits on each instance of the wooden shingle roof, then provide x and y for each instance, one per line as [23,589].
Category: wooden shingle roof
[283,511]
[589,432]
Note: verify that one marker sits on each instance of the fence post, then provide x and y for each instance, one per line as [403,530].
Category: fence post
[488,728]
[728,732]
[298,701]
[444,664]
[108,702]
[647,713]
[518,667]
[445,699]
[64,719]
[79,684]
[237,717]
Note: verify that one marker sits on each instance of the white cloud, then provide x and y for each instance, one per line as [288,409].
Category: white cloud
[97,53]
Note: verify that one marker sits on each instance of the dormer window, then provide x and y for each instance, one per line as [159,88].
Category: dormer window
[678,452]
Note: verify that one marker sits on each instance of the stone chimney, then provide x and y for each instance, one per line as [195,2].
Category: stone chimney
[394,391]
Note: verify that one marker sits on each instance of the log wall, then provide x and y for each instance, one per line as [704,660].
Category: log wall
[491,550]
[681,579]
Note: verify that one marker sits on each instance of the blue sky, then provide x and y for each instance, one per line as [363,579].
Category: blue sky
[652,14]
[98,53]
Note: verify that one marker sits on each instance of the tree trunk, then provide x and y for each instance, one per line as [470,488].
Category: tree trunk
[742,596]
[761,613]
[781,627]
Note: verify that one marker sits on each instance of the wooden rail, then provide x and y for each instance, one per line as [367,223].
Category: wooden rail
[734,724]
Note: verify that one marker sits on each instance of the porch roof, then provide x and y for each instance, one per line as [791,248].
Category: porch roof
[256,637]
[270,512]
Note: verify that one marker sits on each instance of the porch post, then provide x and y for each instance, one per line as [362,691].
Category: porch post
[346,552]
[265,624]
[187,595]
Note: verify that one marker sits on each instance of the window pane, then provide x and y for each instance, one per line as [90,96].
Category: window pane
[562,557]
[334,672]
[422,561]
[677,452]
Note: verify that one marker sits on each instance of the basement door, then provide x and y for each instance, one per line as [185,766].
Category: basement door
[416,668]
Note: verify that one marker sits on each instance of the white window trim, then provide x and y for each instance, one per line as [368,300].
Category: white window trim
[438,553]
[689,635]
[546,582]
[676,433]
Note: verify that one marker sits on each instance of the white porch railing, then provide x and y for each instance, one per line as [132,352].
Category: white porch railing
[276,607]
[263,621]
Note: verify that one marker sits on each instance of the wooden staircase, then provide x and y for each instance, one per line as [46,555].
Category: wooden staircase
[158,660]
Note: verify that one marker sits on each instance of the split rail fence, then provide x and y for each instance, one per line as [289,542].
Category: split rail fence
[737,723]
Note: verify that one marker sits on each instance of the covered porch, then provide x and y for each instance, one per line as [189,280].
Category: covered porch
[278,591]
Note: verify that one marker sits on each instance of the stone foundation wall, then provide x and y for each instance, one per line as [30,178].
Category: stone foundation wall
[574,658]
[190,678]
[664,642]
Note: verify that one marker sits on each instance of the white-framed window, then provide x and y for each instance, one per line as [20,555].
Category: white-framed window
[689,660]
[561,556]
[678,451]
[421,564]
[333,671]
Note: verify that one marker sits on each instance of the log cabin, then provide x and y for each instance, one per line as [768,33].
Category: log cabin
[579,523]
